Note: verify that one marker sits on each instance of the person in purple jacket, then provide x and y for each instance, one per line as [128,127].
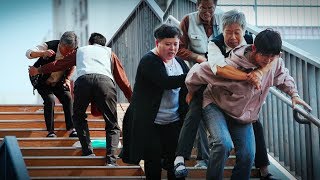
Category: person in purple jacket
[230,107]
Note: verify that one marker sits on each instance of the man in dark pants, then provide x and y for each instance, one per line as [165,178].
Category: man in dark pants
[57,83]
[96,65]
[198,29]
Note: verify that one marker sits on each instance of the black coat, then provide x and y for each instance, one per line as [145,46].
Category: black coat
[139,139]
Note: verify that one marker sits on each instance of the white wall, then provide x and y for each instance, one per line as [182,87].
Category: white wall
[106,16]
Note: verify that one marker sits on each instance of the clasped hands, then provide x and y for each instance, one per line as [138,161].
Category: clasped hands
[255,78]
[33,71]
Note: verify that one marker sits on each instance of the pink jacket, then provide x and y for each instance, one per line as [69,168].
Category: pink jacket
[239,99]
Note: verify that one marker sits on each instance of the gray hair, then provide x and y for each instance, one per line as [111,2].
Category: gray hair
[70,39]
[234,16]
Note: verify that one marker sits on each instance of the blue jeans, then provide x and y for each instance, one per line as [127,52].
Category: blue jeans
[225,130]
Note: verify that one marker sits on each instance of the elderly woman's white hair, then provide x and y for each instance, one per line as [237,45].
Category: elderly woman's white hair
[234,16]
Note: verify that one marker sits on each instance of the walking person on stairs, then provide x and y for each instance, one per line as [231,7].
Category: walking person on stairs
[97,69]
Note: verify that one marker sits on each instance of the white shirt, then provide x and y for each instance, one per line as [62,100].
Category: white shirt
[215,56]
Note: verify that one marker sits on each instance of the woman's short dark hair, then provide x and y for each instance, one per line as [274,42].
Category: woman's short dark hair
[167,31]
[268,42]
[97,38]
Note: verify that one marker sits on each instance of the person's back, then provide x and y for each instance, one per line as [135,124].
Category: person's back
[94,59]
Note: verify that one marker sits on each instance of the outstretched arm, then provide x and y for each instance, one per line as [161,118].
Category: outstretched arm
[285,82]
[120,77]
[297,100]
[58,65]
[40,51]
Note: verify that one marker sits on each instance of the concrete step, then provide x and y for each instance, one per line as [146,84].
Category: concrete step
[6,124]
[59,151]
[201,172]
[68,161]
[34,116]
[39,107]
[94,177]
[78,160]
[49,142]
[42,132]
[95,171]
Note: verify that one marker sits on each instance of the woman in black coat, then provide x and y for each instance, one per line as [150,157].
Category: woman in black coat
[152,123]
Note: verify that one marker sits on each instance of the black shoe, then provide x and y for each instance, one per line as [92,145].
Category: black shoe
[269,176]
[73,134]
[51,135]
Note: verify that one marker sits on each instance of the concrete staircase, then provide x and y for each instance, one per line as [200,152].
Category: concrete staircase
[56,158]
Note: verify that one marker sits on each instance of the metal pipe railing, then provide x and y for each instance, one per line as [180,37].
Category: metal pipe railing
[306,118]
[12,165]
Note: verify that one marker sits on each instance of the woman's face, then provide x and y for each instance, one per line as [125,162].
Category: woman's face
[233,35]
[167,48]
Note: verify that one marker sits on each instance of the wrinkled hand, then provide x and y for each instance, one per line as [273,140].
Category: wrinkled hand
[33,71]
[48,53]
[297,100]
[67,83]
[201,59]
[255,78]
[189,98]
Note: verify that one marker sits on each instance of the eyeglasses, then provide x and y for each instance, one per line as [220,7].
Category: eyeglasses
[206,9]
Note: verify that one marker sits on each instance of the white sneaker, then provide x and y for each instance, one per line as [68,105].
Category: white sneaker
[201,164]
[119,145]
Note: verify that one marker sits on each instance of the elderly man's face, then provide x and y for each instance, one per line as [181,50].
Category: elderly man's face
[233,35]
[206,10]
[65,50]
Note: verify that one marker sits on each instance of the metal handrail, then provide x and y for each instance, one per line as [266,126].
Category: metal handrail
[307,116]
[12,165]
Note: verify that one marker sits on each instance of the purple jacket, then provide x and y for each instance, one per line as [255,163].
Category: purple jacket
[239,99]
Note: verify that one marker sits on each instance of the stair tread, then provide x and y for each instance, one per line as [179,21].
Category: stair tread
[91,177]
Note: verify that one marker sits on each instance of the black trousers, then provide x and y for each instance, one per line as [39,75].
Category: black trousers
[63,94]
[193,125]
[168,139]
[101,90]
[190,127]
[261,157]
